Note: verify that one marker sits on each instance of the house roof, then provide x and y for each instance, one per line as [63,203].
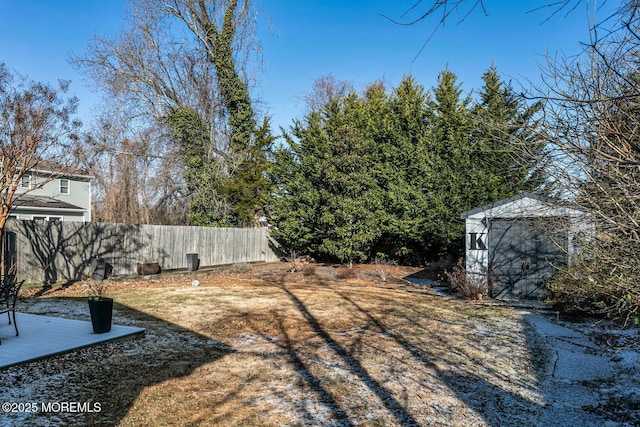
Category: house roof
[519,196]
[48,167]
[30,201]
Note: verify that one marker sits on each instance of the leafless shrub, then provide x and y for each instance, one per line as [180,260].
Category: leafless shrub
[591,123]
[299,263]
[467,287]
[597,286]
[345,273]
[309,270]
[95,289]
[380,264]
[381,272]
[242,267]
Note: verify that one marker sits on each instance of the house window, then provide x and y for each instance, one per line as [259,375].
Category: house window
[39,218]
[25,181]
[13,217]
[55,219]
[64,186]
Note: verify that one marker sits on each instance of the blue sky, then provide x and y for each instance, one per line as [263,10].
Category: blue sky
[312,38]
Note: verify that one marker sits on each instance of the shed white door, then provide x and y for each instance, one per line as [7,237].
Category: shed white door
[524,253]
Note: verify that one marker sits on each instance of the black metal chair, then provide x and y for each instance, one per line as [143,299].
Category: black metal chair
[8,298]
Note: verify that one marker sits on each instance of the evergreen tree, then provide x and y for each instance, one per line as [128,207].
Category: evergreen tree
[295,205]
[327,199]
[249,187]
[389,175]
[406,168]
[352,199]
[507,155]
[448,185]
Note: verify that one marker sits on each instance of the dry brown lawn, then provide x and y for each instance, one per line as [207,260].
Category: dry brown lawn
[271,347]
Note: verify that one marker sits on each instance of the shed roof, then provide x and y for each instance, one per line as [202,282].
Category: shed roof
[522,195]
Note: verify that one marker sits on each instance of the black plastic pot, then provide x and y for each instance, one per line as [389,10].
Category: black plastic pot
[101,313]
[101,269]
[193,263]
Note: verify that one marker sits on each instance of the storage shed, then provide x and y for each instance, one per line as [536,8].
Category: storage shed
[517,244]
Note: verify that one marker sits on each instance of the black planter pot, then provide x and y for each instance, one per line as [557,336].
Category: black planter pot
[101,312]
[193,263]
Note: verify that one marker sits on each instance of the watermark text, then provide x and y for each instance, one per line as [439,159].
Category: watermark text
[48,407]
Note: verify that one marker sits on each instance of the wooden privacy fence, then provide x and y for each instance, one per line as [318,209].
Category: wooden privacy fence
[47,252]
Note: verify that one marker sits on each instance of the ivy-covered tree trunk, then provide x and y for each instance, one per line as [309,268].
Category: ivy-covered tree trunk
[227,189]
[233,89]
[205,181]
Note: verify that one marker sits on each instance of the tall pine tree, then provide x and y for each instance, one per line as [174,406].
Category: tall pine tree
[406,170]
[389,174]
[507,153]
[448,186]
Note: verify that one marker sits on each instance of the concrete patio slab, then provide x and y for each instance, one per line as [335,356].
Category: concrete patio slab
[44,336]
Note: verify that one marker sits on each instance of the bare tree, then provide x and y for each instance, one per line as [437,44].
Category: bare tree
[167,59]
[325,89]
[131,167]
[180,55]
[443,11]
[37,134]
[440,12]
[592,122]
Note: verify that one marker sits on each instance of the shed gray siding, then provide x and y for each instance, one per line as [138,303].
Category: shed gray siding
[523,255]
[515,245]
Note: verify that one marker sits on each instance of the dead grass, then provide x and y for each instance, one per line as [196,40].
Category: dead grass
[268,347]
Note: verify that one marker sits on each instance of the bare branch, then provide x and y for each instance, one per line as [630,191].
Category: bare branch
[37,133]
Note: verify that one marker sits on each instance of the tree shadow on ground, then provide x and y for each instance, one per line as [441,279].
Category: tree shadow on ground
[304,374]
[399,412]
[482,392]
[119,377]
[486,399]
[114,373]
